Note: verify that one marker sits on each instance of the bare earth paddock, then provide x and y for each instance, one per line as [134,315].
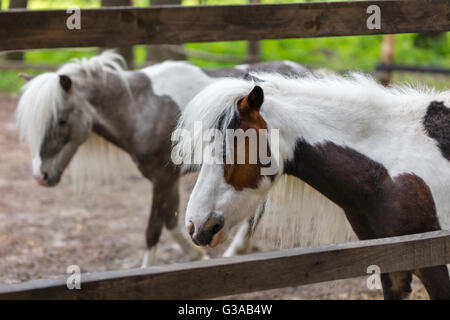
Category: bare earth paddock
[43,231]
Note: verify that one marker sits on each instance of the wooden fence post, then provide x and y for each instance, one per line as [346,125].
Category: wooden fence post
[386,58]
[126,52]
[16,4]
[253,47]
[158,53]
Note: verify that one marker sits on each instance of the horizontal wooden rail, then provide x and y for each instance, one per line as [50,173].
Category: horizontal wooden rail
[417,69]
[220,277]
[19,65]
[121,26]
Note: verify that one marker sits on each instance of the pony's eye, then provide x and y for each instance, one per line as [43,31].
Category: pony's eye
[62,122]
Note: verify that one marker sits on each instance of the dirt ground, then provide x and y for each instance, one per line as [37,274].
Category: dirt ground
[44,230]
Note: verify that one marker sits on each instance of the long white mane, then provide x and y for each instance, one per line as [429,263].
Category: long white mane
[41,99]
[296,214]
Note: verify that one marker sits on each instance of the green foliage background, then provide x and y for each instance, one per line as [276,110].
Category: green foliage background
[337,53]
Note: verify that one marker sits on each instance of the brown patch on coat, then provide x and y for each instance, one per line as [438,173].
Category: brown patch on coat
[246,175]
[375,204]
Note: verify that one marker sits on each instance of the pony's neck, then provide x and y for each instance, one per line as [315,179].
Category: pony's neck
[324,140]
[342,174]
[115,101]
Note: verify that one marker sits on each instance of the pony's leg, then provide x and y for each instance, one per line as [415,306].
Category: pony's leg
[153,232]
[436,281]
[242,240]
[189,248]
[172,223]
[396,285]
[149,257]
[154,226]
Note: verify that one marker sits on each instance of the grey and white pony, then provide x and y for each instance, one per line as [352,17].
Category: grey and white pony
[96,116]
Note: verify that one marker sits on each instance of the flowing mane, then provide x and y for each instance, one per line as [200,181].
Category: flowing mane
[41,99]
[217,103]
[309,218]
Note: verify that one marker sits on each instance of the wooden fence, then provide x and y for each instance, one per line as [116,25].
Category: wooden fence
[416,69]
[253,272]
[112,27]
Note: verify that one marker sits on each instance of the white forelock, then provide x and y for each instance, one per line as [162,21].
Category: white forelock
[38,108]
[215,103]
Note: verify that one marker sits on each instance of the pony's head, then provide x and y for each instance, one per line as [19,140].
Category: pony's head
[54,121]
[238,166]
[55,117]
[278,113]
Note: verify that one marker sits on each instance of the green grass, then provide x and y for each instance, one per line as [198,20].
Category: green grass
[10,82]
[57,57]
[336,53]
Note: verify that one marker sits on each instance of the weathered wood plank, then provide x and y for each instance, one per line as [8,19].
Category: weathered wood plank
[409,68]
[219,277]
[19,65]
[113,27]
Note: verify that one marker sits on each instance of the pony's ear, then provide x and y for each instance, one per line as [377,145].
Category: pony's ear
[26,77]
[255,98]
[65,82]
[253,101]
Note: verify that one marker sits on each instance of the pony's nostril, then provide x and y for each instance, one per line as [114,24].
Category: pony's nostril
[45,176]
[212,224]
[191,228]
[217,227]
[216,221]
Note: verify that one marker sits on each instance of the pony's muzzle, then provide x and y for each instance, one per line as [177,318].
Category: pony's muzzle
[42,179]
[46,180]
[205,232]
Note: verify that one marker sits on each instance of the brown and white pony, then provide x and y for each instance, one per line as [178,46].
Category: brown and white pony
[380,155]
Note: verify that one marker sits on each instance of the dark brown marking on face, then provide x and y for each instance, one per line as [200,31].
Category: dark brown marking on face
[247,175]
[437,126]
[375,204]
